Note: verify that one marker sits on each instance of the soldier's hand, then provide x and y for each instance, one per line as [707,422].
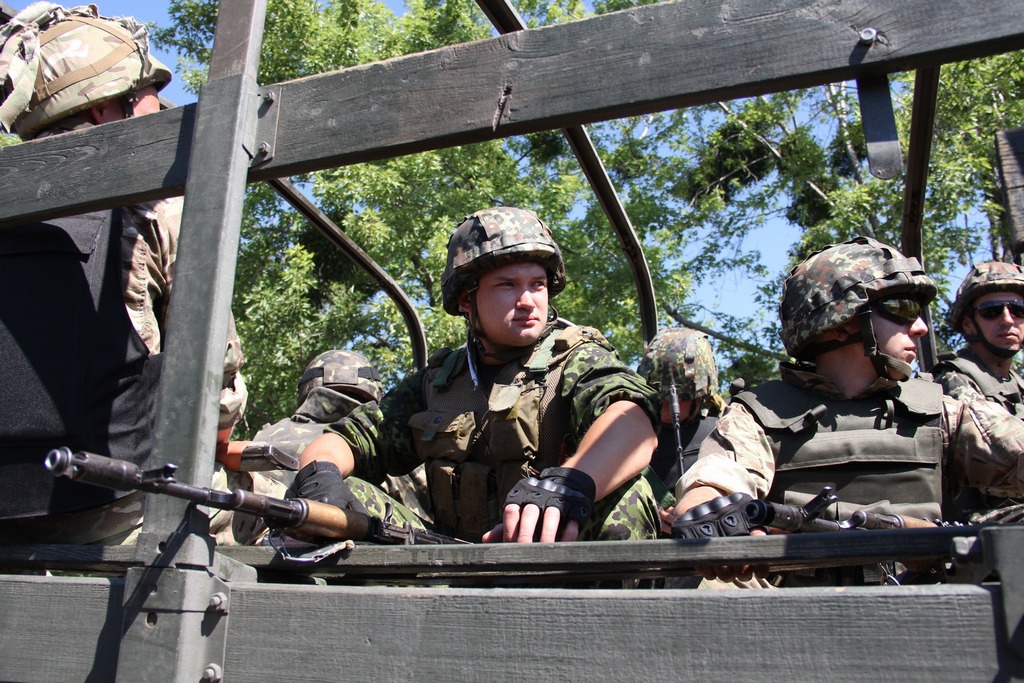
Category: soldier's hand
[322,481]
[537,507]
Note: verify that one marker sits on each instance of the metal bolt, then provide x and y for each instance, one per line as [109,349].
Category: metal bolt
[219,602]
[213,673]
[868,36]
[263,149]
[268,97]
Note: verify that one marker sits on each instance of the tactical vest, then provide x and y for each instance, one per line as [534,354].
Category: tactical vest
[477,445]
[882,453]
[665,461]
[1007,393]
[75,372]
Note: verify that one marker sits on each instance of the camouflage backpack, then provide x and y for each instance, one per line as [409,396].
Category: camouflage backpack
[55,62]
[494,237]
[682,357]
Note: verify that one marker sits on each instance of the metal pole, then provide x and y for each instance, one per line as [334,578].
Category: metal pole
[503,15]
[922,120]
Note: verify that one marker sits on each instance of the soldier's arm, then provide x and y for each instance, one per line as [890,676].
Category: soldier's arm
[985,446]
[330,447]
[616,448]
[736,457]
[959,386]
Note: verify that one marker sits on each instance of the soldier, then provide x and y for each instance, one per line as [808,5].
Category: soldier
[109,277]
[533,430]
[680,364]
[334,384]
[848,413]
[989,313]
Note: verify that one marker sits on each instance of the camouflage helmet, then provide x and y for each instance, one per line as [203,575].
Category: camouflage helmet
[56,62]
[838,283]
[347,372]
[682,357]
[494,237]
[984,278]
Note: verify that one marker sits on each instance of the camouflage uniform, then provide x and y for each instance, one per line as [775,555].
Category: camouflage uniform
[964,375]
[48,71]
[981,443]
[323,401]
[942,444]
[383,439]
[481,428]
[680,360]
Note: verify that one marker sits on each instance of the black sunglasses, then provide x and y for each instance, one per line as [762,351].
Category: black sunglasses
[990,310]
[899,309]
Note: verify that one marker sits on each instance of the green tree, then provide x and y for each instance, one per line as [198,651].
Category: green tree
[698,184]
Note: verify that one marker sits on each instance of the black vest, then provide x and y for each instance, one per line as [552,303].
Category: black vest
[74,372]
[665,461]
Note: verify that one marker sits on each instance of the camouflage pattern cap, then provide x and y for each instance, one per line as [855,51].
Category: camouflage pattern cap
[838,282]
[491,238]
[347,372]
[56,61]
[985,278]
[680,356]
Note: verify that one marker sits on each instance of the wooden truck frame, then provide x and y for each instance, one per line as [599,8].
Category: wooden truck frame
[177,608]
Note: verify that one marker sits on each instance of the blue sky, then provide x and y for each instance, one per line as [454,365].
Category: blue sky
[156,11]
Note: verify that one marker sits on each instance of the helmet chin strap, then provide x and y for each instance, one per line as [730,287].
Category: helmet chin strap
[882,362]
[992,348]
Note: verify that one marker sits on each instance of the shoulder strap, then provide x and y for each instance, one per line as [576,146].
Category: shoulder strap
[778,405]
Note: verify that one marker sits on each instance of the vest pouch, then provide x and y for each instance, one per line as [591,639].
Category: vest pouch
[442,481]
[866,470]
[463,497]
[515,431]
[478,503]
[442,435]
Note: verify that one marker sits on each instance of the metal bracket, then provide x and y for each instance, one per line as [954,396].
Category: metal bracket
[266,126]
[1004,552]
[191,604]
[885,159]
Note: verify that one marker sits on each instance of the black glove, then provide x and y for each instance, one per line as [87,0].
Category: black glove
[571,491]
[322,482]
[722,516]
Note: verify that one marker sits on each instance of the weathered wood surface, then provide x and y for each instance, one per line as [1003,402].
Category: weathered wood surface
[59,629]
[645,59]
[68,630]
[551,562]
[1010,152]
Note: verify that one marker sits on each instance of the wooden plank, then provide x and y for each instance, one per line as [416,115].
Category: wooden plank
[59,629]
[640,60]
[585,561]
[562,562]
[329,633]
[1010,154]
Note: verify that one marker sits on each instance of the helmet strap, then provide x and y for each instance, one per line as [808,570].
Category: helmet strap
[882,362]
[997,351]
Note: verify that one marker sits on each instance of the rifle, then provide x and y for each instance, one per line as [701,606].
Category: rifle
[806,517]
[737,514]
[300,517]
